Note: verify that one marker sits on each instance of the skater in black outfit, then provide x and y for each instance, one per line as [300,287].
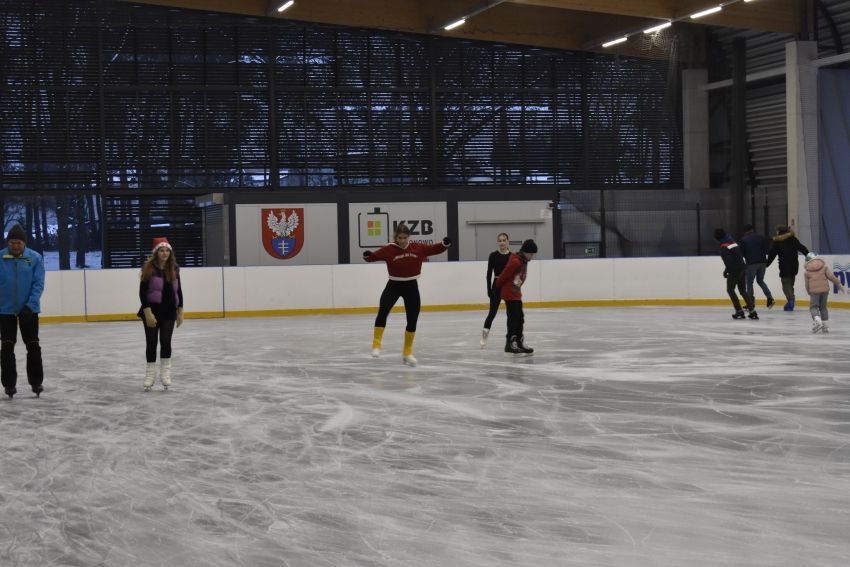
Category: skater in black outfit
[734,272]
[509,286]
[495,264]
[161,296]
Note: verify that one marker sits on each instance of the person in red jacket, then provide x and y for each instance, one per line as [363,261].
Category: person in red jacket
[404,264]
[509,286]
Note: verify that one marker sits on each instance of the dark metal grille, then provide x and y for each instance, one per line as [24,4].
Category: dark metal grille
[109,97]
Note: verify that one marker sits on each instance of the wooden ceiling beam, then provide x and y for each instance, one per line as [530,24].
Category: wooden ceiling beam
[559,24]
[767,15]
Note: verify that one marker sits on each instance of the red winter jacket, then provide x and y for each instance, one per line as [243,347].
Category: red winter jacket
[405,263]
[512,277]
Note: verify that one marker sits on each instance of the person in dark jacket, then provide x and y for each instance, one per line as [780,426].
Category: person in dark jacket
[21,286]
[754,248]
[786,247]
[495,264]
[161,296]
[734,271]
[509,286]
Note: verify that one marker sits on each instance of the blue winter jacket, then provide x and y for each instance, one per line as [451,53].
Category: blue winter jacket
[21,281]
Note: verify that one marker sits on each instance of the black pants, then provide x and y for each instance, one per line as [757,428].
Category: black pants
[516,318]
[495,300]
[738,279]
[8,337]
[161,333]
[409,292]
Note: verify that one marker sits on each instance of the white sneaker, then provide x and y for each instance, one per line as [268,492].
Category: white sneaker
[409,360]
[376,352]
[484,334]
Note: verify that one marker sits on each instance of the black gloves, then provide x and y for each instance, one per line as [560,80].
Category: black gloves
[725,273]
[447,241]
[367,253]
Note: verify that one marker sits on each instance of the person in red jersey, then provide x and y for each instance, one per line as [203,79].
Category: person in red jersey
[509,286]
[404,264]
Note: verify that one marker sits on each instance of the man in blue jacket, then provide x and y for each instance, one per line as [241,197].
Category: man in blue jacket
[21,286]
[754,247]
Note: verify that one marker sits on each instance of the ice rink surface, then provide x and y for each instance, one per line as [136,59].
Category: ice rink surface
[632,437]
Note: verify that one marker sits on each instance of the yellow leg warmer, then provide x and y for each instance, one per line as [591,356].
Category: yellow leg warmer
[379,334]
[408,343]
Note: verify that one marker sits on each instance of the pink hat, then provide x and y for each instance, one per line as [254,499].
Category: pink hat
[160,242]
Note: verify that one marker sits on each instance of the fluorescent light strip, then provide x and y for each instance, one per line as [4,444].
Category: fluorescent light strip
[659,27]
[456,24]
[615,41]
[286,6]
[706,12]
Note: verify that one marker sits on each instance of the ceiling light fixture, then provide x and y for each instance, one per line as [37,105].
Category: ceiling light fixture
[482,8]
[706,12]
[286,6]
[456,24]
[615,41]
[658,28]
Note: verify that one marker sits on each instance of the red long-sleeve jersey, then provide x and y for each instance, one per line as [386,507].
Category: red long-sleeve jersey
[405,263]
[512,277]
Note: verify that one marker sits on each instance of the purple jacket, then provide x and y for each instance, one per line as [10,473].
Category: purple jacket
[155,287]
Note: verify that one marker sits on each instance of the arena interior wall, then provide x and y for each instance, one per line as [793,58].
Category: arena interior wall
[112,295]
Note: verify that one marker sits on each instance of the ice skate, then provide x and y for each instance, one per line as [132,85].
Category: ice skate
[817,325]
[753,315]
[511,346]
[770,303]
[376,353]
[484,334]
[165,372]
[525,349]
[37,390]
[738,315]
[11,392]
[409,360]
[150,376]
[823,328]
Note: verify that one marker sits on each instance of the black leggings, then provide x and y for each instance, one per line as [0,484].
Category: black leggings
[164,329]
[409,292]
[495,300]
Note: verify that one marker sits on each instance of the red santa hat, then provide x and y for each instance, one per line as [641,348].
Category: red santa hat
[160,242]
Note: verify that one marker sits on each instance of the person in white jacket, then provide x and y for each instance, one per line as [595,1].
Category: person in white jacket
[817,277]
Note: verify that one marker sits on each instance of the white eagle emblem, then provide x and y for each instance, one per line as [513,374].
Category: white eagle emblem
[285,226]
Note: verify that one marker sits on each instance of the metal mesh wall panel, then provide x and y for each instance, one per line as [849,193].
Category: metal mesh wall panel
[131,223]
[110,97]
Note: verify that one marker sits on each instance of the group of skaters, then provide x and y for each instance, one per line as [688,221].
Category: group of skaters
[161,293]
[746,261]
